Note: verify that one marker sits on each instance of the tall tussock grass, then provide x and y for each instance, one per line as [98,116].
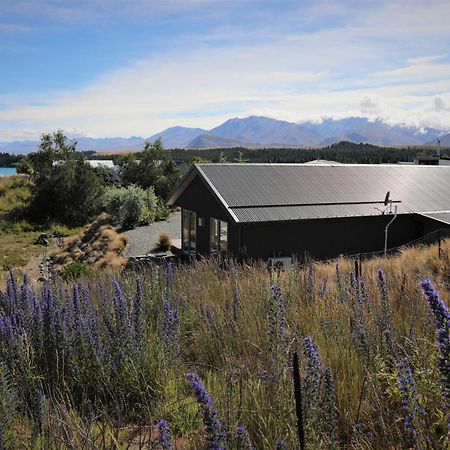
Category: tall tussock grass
[200,357]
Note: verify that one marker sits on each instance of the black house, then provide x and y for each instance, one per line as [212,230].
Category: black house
[281,210]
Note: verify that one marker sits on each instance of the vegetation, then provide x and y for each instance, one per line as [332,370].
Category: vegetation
[199,357]
[7,160]
[153,167]
[131,206]
[65,188]
[97,246]
[343,152]
[164,241]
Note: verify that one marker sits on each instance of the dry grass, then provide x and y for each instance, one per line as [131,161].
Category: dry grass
[164,241]
[99,245]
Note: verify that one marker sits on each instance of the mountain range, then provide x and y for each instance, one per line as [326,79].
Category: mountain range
[257,132]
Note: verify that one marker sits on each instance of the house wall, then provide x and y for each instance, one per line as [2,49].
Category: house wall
[198,198]
[326,238]
[319,238]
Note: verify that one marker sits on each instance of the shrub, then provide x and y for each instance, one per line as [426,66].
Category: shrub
[74,271]
[164,241]
[131,206]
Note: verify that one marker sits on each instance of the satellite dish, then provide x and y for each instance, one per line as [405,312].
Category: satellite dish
[387,200]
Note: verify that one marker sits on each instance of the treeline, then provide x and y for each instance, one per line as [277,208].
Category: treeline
[343,152]
[7,160]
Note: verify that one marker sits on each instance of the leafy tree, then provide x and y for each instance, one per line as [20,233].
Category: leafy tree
[240,158]
[25,166]
[151,167]
[65,187]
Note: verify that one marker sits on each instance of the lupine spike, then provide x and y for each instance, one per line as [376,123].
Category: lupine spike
[165,436]
[215,435]
[442,319]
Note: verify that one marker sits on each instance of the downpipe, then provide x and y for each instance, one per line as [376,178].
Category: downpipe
[386,231]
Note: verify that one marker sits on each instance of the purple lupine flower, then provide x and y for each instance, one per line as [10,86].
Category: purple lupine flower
[281,444]
[169,276]
[171,331]
[235,304]
[207,314]
[243,441]
[410,401]
[385,321]
[442,319]
[340,285]
[329,409]
[121,310]
[312,376]
[165,436]
[362,289]
[213,425]
[137,313]
[38,410]
[323,287]
[277,333]
[311,283]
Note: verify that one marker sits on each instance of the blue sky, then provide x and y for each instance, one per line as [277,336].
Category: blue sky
[110,67]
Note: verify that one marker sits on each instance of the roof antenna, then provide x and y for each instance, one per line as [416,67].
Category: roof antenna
[439,148]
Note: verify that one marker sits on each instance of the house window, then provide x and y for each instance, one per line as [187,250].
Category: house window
[188,227]
[219,237]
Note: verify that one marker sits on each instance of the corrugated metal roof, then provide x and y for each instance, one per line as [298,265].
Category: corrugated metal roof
[442,216]
[270,192]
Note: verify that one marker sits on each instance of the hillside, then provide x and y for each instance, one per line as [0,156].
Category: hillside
[208,140]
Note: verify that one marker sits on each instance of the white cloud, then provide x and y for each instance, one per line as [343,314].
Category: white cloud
[368,66]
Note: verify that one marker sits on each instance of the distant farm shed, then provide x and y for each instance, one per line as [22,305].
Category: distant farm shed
[278,210]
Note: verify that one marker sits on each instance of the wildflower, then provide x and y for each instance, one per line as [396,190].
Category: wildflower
[213,425]
[281,444]
[169,276]
[311,283]
[385,319]
[312,375]
[442,318]
[165,436]
[323,288]
[414,413]
[137,312]
[38,410]
[171,331]
[243,440]
[277,332]
[339,284]
[235,303]
[329,409]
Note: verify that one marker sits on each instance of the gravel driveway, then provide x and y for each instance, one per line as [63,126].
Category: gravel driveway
[143,240]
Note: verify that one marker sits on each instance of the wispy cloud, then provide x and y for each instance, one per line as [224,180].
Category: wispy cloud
[324,58]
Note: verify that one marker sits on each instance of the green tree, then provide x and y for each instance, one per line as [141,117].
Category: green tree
[25,166]
[151,167]
[65,187]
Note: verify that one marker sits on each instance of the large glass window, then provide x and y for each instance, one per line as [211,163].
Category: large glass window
[219,236]
[188,227]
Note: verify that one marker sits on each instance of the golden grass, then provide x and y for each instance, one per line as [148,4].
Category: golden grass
[98,245]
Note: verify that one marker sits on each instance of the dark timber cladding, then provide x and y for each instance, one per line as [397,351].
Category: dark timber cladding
[327,210]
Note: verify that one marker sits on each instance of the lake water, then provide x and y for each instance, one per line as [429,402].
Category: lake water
[7,170]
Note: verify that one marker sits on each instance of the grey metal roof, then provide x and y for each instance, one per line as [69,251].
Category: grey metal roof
[271,192]
[442,216]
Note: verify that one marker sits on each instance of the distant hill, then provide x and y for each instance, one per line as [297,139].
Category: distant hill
[208,140]
[377,132]
[258,132]
[177,137]
[268,132]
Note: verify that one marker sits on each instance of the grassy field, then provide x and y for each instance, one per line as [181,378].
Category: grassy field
[200,357]
[17,236]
